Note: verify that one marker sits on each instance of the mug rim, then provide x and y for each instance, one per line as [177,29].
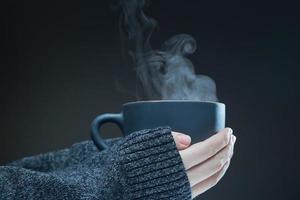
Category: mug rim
[172,101]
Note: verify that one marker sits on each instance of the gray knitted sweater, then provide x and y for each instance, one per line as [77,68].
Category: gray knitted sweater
[144,165]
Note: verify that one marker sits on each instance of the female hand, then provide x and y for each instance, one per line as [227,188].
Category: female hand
[207,161]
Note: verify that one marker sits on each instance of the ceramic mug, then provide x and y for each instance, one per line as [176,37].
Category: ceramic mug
[196,118]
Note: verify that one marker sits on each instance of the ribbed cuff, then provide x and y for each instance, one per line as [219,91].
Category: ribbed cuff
[153,167]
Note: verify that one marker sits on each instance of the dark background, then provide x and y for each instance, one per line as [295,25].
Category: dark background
[60,61]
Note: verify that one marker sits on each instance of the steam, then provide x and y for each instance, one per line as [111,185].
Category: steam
[165,73]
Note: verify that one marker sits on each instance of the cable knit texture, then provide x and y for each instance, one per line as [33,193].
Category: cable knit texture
[144,165]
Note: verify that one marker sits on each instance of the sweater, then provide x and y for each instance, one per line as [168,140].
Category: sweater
[143,165]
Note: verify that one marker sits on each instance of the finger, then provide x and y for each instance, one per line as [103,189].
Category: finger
[201,151]
[211,166]
[210,182]
[234,139]
[182,140]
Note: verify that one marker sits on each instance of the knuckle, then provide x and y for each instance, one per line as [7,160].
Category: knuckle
[224,142]
[227,153]
[219,164]
[215,146]
[226,138]
[211,150]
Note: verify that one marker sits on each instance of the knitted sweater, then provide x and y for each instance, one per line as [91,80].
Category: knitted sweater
[144,165]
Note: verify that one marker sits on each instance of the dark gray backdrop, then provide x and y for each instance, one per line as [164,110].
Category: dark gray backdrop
[60,61]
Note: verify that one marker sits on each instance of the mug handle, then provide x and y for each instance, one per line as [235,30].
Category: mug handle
[116,118]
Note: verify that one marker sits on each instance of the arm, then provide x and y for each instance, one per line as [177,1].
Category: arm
[145,164]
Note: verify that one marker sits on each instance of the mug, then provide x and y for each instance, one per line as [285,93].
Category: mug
[196,118]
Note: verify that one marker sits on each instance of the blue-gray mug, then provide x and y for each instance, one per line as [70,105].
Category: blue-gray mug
[196,118]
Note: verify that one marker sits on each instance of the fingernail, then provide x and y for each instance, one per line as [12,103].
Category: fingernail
[185,139]
[230,130]
[234,139]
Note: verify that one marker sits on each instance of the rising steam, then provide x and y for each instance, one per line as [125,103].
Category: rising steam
[165,73]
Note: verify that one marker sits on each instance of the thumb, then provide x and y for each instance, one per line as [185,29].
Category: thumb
[182,140]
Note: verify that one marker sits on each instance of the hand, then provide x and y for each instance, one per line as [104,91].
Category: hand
[205,162]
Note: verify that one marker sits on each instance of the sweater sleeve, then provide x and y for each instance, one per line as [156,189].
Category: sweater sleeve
[144,165]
